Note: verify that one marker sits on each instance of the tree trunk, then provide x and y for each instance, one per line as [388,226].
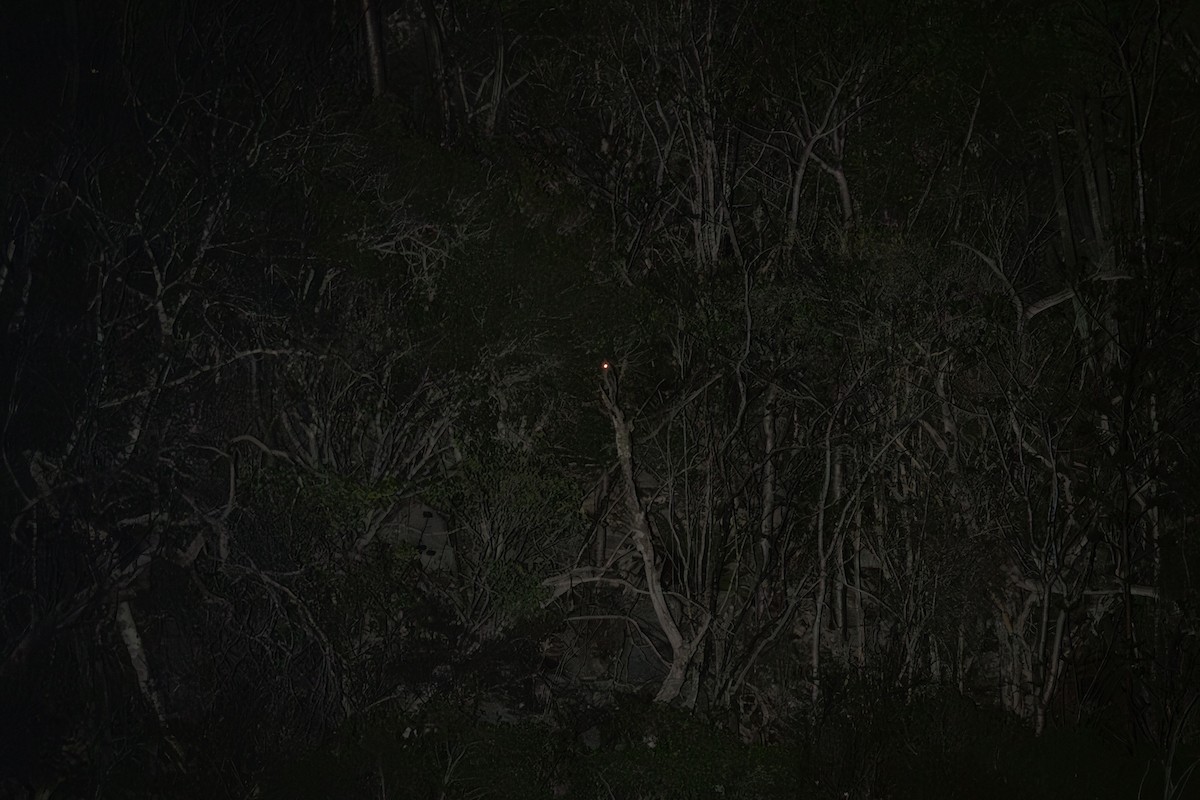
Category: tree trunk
[681,649]
[127,627]
[828,491]
[1050,672]
[376,50]
[435,42]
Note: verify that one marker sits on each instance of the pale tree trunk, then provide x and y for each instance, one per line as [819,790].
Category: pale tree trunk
[1015,671]
[860,623]
[435,41]
[683,648]
[912,557]
[1066,236]
[792,230]
[127,627]
[812,126]
[960,659]
[1050,672]
[834,167]
[838,599]
[768,486]
[1090,140]
[828,492]
[376,50]
[1139,116]
[499,79]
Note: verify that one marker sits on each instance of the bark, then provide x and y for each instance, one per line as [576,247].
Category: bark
[682,648]
[1138,119]
[1093,181]
[793,203]
[435,43]
[839,596]
[1051,671]
[499,78]
[1066,236]
[127,627]
[376,49]
[768,485]
[827,493]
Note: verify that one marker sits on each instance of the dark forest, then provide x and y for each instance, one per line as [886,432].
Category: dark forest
[600,399]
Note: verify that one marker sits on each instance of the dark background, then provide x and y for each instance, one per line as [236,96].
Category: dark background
[599,399]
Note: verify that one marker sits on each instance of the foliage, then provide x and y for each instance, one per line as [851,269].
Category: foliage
[900,319]
[513,510]
[654,753]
